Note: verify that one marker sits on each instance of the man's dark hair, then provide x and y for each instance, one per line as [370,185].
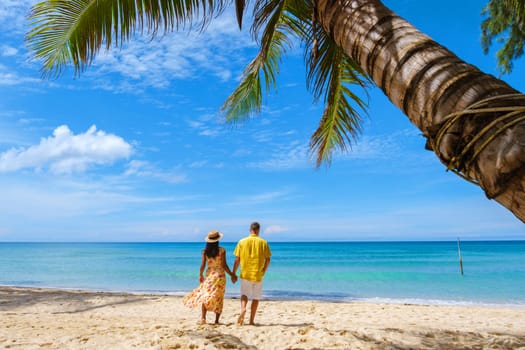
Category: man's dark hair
[255,227]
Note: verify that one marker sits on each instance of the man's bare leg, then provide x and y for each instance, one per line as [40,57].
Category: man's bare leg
[255,304]
[244,302]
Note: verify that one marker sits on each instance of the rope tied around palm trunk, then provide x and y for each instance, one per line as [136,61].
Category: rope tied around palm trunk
[511,115]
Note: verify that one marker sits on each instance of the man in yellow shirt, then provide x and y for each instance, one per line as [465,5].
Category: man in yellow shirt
[252,253]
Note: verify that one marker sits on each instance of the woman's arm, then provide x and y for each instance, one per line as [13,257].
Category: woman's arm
[225,263]
[203,265]
[226,267]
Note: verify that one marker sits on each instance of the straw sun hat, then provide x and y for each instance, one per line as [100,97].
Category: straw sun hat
[214,236]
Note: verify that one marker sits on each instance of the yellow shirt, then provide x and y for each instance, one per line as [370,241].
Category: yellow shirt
[252,251]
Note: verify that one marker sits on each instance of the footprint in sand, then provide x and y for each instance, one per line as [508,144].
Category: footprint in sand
[83,339]
[303,331]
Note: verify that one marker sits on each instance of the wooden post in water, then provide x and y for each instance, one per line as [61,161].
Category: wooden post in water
[460,259]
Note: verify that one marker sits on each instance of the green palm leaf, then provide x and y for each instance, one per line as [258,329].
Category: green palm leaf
[518,7]
[330,73]
[73,31]
[246,99]
[505,21]
[340,124]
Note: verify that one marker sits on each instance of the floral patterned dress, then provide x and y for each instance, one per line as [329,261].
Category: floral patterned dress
[211,291]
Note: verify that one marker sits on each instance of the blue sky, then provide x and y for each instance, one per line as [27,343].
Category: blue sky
[135,149]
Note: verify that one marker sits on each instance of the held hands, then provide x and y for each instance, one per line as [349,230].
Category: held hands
[233,277]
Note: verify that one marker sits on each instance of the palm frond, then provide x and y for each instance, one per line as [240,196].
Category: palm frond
[239,11]
[330,73]
[505,20]
[340,124]
[73,31]
[516,6]
[246,99]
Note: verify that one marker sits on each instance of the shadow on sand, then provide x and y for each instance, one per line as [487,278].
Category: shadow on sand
[12,298]
[386,339]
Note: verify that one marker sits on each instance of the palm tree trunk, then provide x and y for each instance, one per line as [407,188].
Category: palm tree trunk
[484,142]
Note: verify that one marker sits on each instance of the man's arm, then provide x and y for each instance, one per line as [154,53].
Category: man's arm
[266,264]
[236,265]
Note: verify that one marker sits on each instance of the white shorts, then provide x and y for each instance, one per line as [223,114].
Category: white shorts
[253,290]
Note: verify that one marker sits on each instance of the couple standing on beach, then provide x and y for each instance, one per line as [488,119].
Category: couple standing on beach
[252,254]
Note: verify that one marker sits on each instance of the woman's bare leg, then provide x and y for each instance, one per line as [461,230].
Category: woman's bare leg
[203,319]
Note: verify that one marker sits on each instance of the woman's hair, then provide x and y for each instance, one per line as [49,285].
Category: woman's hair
[212,249]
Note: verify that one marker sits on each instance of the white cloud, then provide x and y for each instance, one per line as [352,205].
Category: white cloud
[10,131]
[144,169]
[297,155]
[291,156]
[198,164]
[275,229]
[177,55]
[9,78]
[243,152]
[6,50]
[143,62]
[54,200]
[209,132]
[64,152]
[261,198]
[207,125]
[382,146]
[13,15]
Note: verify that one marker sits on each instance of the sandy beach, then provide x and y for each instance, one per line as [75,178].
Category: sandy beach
[57,319]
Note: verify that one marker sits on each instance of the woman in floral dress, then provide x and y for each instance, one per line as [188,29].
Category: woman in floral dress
[210,293]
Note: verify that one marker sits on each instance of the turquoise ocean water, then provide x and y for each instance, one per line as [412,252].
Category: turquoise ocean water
[417,272]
